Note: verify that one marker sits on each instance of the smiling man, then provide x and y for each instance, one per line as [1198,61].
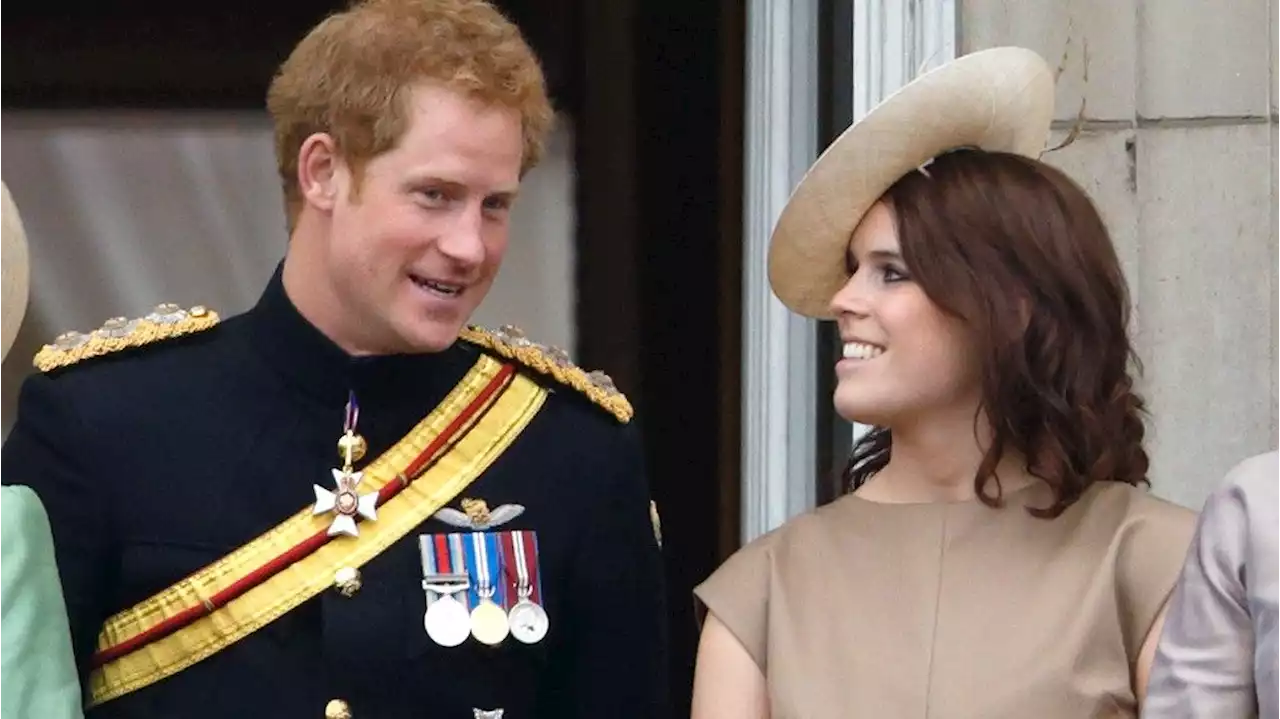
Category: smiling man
[348,502]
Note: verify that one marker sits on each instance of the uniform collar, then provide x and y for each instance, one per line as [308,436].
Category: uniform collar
[312,363]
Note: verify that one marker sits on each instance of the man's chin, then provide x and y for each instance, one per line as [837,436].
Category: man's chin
[433,337]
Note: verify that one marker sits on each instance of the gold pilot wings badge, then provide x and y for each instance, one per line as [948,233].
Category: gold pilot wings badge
[475,515]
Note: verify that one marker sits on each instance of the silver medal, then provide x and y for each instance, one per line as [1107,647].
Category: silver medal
[447,622]
[529,622]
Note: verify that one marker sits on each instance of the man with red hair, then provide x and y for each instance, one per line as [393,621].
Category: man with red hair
[349,502]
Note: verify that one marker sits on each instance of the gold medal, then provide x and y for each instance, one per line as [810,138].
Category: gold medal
[489,623]
[488,620]
[344,501]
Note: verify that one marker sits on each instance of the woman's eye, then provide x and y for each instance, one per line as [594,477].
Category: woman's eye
[892,274]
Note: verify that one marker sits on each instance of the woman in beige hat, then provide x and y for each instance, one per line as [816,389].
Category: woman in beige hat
[37,672]
[999,555]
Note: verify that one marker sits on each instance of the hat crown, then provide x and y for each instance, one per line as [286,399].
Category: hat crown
[15,269]
[998,100]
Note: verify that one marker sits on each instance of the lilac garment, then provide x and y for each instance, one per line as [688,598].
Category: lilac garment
[1217,656]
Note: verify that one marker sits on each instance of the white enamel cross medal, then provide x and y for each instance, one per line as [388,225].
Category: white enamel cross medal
[345,502]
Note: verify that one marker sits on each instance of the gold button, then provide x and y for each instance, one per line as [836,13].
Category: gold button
[347,581]
[337,709]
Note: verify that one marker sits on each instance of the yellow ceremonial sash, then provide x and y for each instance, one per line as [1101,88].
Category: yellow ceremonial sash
[490,433]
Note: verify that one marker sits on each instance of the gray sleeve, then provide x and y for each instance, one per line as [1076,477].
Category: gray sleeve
[1204,659]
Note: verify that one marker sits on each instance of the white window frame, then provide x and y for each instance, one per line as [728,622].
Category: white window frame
[893,40]
[779,378]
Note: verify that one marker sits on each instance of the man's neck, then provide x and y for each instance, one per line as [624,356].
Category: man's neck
[314,298]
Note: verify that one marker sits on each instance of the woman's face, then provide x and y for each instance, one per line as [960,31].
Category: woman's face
[904,358]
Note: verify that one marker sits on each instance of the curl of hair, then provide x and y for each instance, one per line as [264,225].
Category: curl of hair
[1018,252]
[351,77]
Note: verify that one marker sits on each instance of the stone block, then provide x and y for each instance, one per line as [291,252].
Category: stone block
[1107,28]
[1100,162]
[1273,45]
[1204,59]
[1274,224]
[1207,296]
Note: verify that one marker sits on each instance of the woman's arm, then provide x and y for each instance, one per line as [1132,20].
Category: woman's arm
[727,683]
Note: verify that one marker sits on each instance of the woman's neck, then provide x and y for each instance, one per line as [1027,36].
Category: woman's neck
[937,460]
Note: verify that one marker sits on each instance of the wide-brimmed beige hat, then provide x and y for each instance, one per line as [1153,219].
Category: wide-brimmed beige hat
[14,268]
[999,100]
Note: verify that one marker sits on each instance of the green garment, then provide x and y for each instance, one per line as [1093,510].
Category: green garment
[37,668]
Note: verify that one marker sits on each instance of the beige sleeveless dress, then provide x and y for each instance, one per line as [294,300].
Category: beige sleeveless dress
[955,610]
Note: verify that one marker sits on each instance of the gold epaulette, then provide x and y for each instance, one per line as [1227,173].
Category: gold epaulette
[118,333]
[510,342]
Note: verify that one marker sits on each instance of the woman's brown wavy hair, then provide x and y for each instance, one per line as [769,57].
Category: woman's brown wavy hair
[1017,251]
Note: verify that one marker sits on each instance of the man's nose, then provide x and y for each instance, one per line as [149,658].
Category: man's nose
[464,242]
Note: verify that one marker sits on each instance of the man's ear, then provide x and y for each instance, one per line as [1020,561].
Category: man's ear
[318,171]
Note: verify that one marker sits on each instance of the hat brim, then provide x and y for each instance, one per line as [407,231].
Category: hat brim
[15,271]
[999,100]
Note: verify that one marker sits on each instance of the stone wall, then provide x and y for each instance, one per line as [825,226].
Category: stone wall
[1178,147]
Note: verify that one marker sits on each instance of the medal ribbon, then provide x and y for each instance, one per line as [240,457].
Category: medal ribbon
[441,556]
[458,564]
[482,553]
[522,571]
[427,549]
[352,414]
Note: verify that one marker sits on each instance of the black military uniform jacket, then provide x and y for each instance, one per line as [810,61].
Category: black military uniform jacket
[157,461]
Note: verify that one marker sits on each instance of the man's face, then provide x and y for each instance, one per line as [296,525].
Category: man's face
[414,249]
